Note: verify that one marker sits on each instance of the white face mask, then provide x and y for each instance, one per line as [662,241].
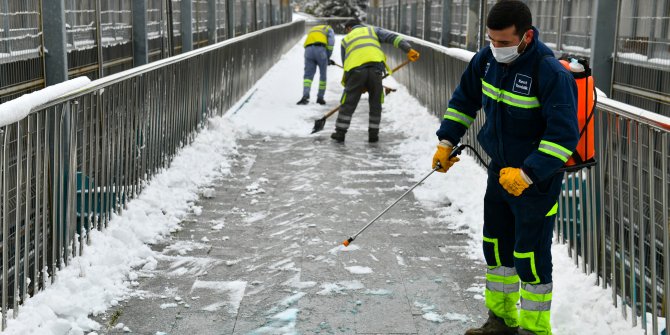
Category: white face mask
[507,55]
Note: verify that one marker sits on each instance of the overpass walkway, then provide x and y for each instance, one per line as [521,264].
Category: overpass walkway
[262,253]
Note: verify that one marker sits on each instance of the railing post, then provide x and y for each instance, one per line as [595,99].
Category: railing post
[446,23]
[413,19]
[245,22]
[603,43]
[427,19]
[54,41]
[212,16]
[254,16]
[186,26]
[140,39]
[399,17]
[230,11]
[472,37]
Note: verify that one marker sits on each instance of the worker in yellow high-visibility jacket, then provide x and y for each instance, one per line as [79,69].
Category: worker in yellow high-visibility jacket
[364,67]
[318,49]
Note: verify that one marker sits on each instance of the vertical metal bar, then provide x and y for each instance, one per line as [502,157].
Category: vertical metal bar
[666,233]
[579,177]
[28,208]
[53,31]
[38,201]
[17,220]
[613,168]
[186,26]
[643,233]
[560,18]
[212,19]
[616,47]
[71,117]
[573,223]
[47,210]
[602,167]
[622,243]
[58,185]
[631,222]
[652,230]
[140,33]
[84,186]
[98,27]
[5,226]
[590,232]
[96,152]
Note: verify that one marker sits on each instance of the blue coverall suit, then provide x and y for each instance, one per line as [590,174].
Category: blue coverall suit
[317,54]
[531,123]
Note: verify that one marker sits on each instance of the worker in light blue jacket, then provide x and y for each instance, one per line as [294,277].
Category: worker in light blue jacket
[319,46]
[531,129]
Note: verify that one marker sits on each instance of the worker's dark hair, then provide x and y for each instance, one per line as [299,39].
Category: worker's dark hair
[507,13]
[351,23]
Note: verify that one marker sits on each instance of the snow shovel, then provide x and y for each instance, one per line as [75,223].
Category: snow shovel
[457,150]
[320,123]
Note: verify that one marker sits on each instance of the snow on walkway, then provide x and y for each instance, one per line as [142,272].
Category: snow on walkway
[107,273]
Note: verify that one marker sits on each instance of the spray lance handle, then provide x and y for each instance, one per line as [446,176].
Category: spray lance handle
[454,152]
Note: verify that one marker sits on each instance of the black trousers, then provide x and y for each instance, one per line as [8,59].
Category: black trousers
[356,81]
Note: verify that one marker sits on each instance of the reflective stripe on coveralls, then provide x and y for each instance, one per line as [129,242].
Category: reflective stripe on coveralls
[502,293]
[535,311]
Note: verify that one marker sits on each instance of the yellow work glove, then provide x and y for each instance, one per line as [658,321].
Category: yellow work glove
[514,181]
[444,149]
[413,55]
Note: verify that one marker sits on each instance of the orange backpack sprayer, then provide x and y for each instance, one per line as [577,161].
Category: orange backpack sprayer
[584,154]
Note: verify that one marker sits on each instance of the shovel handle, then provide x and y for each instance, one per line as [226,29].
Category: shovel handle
[331,112]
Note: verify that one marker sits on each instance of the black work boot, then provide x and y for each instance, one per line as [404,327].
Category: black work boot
[338,135]
[493,326]
[373,135]
[320,101]
[303,101]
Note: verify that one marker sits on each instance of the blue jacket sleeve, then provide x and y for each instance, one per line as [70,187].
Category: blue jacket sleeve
[464,103]
[557,94]
[386,36]
[331,42]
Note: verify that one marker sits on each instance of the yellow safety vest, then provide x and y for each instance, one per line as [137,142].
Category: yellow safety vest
[318,34]
[362,46]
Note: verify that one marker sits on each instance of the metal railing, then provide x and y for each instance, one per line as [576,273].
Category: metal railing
[73,162]
[614,218]
[641,30]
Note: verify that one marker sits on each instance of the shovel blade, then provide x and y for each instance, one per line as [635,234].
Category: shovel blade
[318,125]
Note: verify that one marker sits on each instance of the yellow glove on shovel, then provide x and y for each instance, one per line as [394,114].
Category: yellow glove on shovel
[514,181]
[413,55]
[444,149]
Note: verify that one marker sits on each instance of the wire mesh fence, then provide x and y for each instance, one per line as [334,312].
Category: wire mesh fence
[99,34]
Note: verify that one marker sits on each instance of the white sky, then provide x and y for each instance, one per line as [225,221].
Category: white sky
[103,276]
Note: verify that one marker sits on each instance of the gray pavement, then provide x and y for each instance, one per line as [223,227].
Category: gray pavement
[264,255]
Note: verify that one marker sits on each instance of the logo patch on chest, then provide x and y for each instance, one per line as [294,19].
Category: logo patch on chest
[522,84]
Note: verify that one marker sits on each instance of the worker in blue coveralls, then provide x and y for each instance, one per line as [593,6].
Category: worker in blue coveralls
[531,129]
[364,68]
[318,49]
